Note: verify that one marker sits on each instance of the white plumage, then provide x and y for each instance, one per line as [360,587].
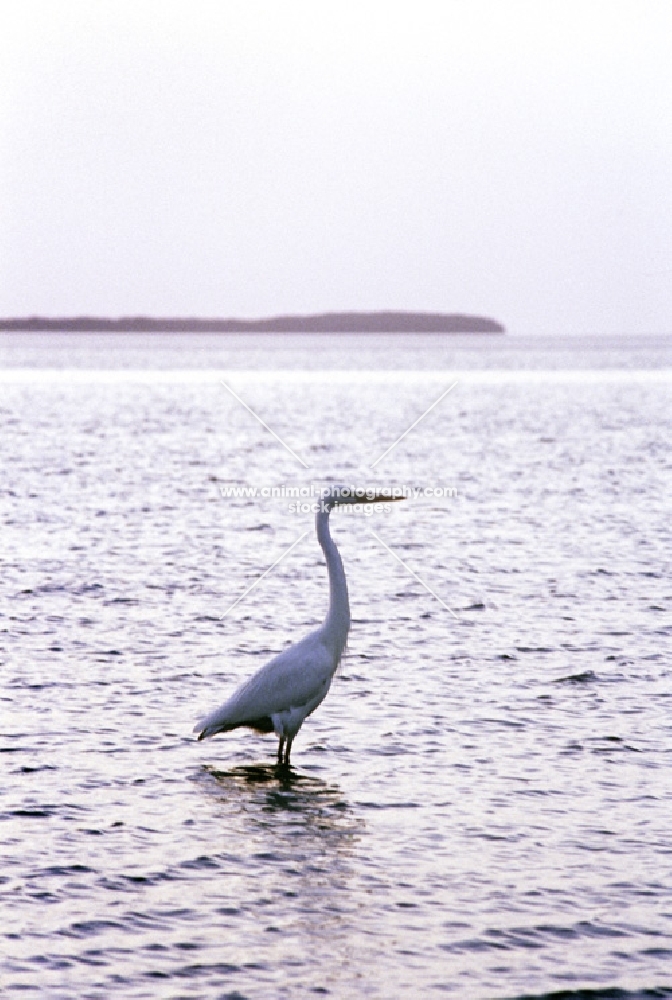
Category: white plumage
[284,692]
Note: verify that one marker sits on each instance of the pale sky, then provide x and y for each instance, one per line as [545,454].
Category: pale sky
[252,157]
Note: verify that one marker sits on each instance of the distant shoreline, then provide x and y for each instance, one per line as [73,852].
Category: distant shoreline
[331,322]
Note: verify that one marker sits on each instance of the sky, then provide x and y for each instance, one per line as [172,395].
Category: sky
[511,158]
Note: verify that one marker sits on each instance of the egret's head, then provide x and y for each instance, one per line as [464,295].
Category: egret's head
[339,496]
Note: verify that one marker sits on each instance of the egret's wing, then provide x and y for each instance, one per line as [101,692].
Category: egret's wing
[292,679]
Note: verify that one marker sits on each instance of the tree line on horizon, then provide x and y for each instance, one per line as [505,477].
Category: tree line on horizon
[330,322]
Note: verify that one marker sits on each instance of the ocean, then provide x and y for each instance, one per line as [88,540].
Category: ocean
[481,807]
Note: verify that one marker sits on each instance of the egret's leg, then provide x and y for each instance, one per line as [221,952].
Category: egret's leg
[287,751]
[280,748]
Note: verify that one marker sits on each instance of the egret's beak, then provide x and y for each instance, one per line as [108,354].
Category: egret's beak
[376,498]
[381,498]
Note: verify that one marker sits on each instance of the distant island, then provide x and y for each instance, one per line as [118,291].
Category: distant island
[330,322]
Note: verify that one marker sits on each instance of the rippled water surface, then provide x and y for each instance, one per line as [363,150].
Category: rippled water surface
[480,808]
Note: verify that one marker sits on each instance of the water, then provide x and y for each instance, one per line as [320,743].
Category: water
[331,352]
[480,808]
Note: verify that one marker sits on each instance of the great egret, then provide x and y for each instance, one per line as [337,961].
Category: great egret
[289,687]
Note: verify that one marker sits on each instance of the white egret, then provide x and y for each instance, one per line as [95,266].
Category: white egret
[284,692]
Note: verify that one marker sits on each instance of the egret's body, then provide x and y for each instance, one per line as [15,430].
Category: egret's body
[284,692]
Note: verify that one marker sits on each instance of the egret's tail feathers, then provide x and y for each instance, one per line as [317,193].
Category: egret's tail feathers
[204,733]
[217,722]
[206,728]
[209,727]
[208,731]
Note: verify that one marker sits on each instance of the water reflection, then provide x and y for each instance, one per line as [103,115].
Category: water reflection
[286,869]
[285,801]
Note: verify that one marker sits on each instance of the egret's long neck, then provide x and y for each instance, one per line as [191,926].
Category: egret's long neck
[337,623]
